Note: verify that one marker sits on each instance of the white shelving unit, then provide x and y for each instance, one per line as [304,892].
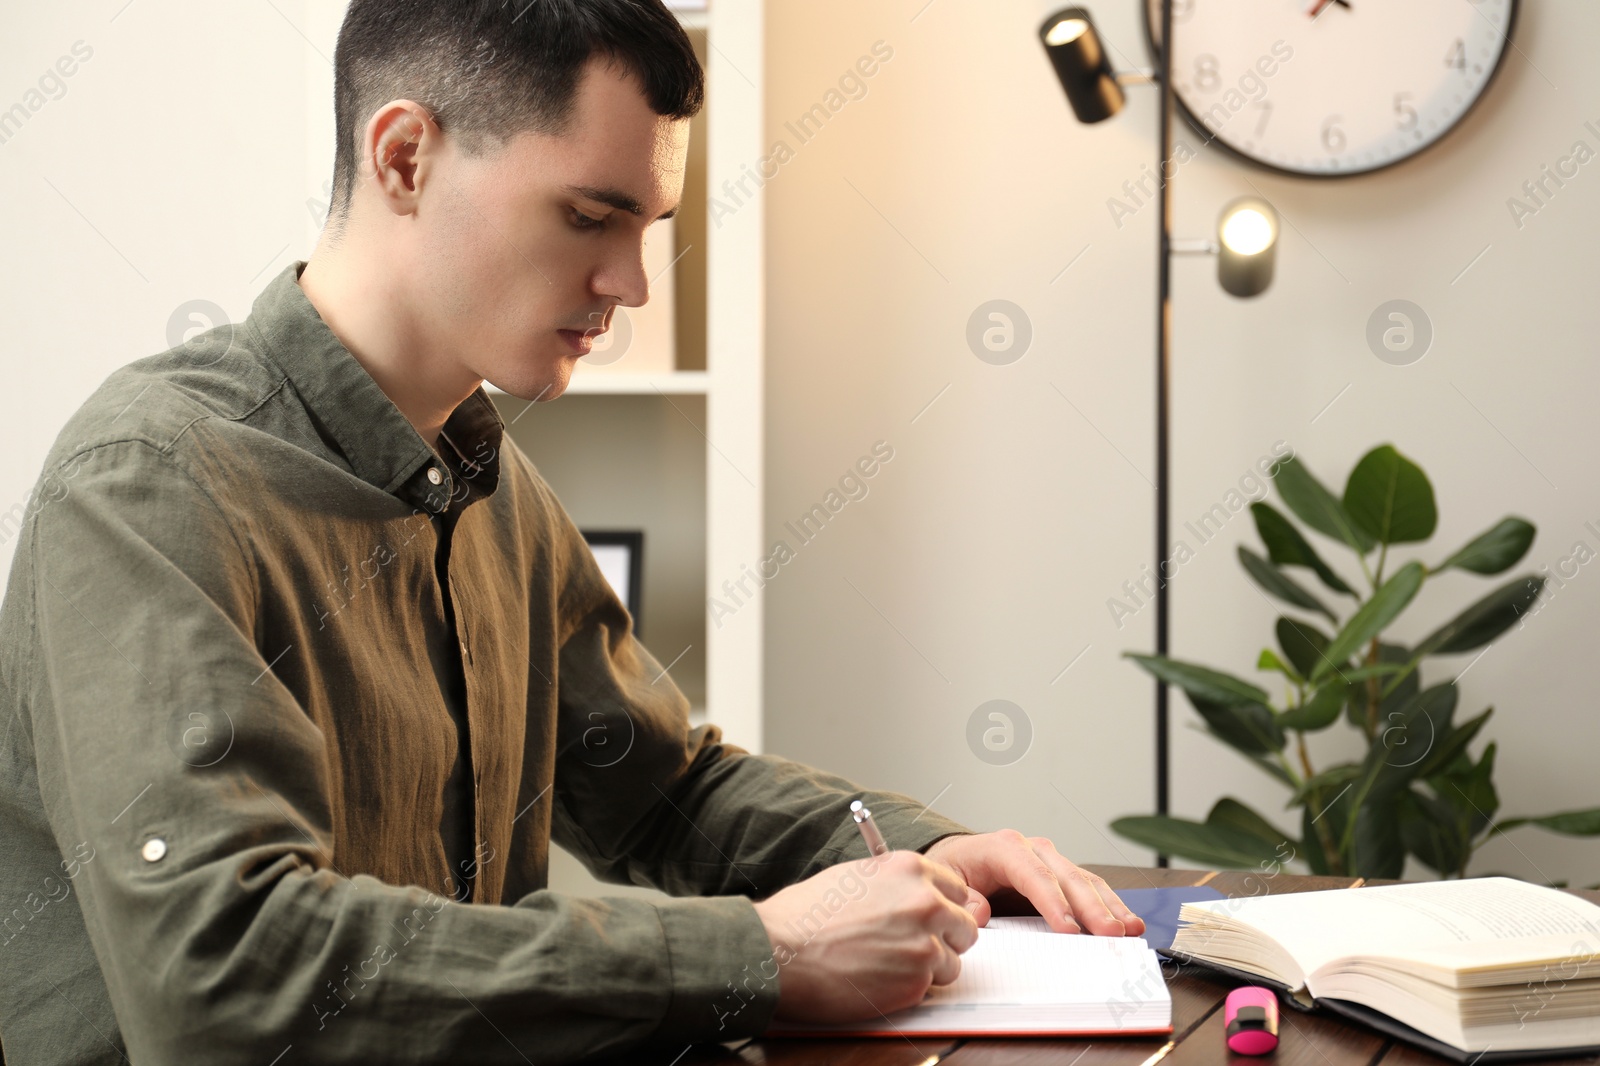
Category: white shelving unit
[732,383]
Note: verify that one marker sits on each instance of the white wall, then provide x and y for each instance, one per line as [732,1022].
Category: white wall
[173,168]
[182,166]
[980,564]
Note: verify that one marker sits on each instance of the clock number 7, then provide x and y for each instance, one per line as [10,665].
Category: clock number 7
[1405,114]
[1266,113]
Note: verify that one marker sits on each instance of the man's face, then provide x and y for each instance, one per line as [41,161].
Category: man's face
[526,250]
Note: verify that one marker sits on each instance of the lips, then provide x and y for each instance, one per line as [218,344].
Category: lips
[580,341]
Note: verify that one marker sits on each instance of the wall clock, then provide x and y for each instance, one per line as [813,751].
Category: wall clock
[1331,88]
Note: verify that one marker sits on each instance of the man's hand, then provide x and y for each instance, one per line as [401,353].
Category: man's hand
[868,937]
[1071,900]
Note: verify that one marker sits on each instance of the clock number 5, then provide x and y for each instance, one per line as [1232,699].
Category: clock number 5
[1405,116]
[1332,135]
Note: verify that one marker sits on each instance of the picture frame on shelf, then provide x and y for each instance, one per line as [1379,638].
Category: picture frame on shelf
[620,555]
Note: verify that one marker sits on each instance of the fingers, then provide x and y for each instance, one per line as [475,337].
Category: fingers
[945,880]
[978,906]
[947,964]
[1031,876]
[1094,904]
[951,916]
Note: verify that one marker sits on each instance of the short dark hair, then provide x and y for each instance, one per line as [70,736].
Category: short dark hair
[495,68]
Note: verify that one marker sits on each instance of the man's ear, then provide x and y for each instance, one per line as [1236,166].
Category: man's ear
[397,151]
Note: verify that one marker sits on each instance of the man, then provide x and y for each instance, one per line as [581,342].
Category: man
[295,639]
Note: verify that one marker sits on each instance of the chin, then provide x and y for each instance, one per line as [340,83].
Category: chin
[541,388]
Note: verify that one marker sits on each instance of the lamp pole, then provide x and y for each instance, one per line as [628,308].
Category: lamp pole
[1245,247]
[1163,387]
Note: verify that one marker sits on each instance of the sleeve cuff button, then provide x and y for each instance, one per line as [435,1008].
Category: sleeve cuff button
[154,850]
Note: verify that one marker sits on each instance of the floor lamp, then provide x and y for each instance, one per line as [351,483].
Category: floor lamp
[1245,247]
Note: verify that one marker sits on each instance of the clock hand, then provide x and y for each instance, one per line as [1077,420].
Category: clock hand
[1315,8]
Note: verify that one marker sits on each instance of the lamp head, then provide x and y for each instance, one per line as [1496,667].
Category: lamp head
[1080,61]
[1247,246]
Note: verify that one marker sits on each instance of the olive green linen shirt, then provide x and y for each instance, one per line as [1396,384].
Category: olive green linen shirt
[227,648]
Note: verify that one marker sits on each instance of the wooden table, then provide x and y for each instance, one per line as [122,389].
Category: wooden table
[1197,1036]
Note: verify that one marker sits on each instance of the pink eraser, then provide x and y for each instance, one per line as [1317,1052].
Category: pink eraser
[1251,1014]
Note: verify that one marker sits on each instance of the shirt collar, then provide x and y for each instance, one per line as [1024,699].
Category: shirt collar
[382,447]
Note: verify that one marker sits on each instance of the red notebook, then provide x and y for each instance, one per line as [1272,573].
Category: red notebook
[1021,979]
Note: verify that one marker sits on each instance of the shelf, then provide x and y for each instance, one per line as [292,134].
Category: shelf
[678,382]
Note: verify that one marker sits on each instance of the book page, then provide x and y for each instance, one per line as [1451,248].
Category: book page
[1020,960]
[1316,927]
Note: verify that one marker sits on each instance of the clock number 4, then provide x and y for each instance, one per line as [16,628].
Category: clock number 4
[1456,58]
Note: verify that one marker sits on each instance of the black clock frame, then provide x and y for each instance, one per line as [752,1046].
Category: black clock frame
[1215,139]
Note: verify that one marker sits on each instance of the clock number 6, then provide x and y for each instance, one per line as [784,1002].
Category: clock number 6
[1405,115]
[1332,135]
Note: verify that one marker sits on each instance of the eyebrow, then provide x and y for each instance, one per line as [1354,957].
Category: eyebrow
[615,198]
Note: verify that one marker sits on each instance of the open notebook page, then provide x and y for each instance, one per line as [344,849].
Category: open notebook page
[1021,977]
[1020,960]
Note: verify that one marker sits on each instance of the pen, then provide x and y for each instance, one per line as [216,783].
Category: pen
[869,828]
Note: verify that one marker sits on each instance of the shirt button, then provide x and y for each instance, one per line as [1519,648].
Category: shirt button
[434,475]
[154,849]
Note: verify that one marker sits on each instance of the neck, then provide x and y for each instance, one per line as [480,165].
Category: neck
[366,306]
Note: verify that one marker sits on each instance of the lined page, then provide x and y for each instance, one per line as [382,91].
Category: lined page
[1020,960]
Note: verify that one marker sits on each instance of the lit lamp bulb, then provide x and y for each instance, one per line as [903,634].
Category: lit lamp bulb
[1247,239]
[1082,65]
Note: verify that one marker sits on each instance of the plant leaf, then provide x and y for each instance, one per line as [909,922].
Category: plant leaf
[1388,655]
[1431,830]
[1484,620]
[1249,727]
[1318,508]
[1303,644]
[1390,498]
[1277,583]
[1325,785]
[1370,619]
[1405,740]
[1268,660]
[1443,756]
[1332,819]
[1228,811]
[1471,791]
[1199,681]
[1494,551]
[1379,851]
[1212,845]
[1287,547]
[1318,712]
[1573,823]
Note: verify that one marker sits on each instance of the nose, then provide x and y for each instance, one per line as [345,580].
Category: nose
[623,278]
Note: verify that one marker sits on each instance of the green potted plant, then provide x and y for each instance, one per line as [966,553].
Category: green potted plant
[1418,789]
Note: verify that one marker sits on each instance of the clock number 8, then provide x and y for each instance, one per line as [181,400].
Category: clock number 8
[1206,77]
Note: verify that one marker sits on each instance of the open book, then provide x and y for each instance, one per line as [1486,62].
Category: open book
[1483,965]
[1022,979]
